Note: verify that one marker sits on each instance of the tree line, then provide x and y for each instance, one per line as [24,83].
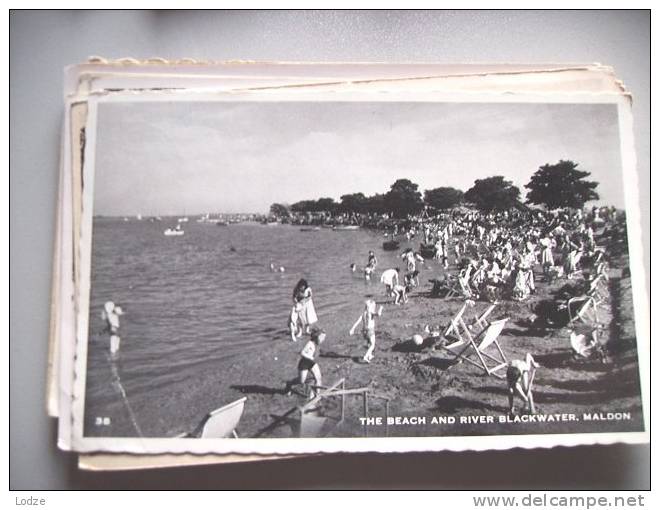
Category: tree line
[552,186]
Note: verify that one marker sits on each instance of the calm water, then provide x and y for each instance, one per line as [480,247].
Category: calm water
[192,305]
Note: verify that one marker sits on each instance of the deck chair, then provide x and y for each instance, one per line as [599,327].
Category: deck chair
[598,289]
[602,268]
[457,326]
[583,309]
[585,347]
[456,286]
[447,288]
[311,424]
[456,329]
[480,320]
[220,423]
[491,364]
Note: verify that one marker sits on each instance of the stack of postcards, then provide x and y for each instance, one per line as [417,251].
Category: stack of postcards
[259,260]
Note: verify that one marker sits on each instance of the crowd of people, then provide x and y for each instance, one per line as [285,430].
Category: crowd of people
[497,256]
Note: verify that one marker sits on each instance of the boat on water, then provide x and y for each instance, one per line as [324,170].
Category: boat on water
[174,232]
[222,223]
[310,229]
[346,227]
[391,245]
[183,220]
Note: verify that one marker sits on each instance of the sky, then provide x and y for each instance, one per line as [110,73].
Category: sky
[171,158]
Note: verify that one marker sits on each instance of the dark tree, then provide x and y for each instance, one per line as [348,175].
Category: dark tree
[443,198]
[326,205]
[376,204]
[280,211]
[493,193]
[561,185]
[320,205]
[353,203]
[303,206]
[403,198]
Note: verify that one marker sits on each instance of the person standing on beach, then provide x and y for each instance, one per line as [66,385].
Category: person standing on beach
[110,315]
[390,278]
[307,363]
[372,262]
[368,320]
[302,294]
[519,377]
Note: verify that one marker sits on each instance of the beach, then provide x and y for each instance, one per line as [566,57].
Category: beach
[220,335]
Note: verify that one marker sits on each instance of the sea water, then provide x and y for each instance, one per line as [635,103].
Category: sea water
[197,303]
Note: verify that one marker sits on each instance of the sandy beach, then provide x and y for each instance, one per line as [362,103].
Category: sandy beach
[422,383]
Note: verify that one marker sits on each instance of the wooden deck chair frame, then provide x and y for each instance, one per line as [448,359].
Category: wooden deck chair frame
[456,329]
[602,268]
[490,364]
[587,312]
[480,320]
[596,290]
[451,288]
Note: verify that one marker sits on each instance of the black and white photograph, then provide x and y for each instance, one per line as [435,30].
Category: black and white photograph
[358,269]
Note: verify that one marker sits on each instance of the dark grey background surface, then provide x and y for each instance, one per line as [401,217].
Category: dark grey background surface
[42,43]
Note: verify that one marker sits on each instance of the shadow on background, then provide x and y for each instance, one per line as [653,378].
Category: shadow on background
[611,467]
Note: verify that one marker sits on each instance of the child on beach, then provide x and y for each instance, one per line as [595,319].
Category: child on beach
[390,278]
[307,363]
[519,377]
[110,315]
[400,294]
[411,280]
[302,295]
[295,326]
[368,320]
[372,262]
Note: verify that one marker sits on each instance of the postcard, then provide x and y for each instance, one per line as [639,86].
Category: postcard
[442,263]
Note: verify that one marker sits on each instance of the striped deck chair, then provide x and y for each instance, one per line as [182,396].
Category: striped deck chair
[491,361]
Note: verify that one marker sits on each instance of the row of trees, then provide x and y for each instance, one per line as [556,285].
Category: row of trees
[553,186]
